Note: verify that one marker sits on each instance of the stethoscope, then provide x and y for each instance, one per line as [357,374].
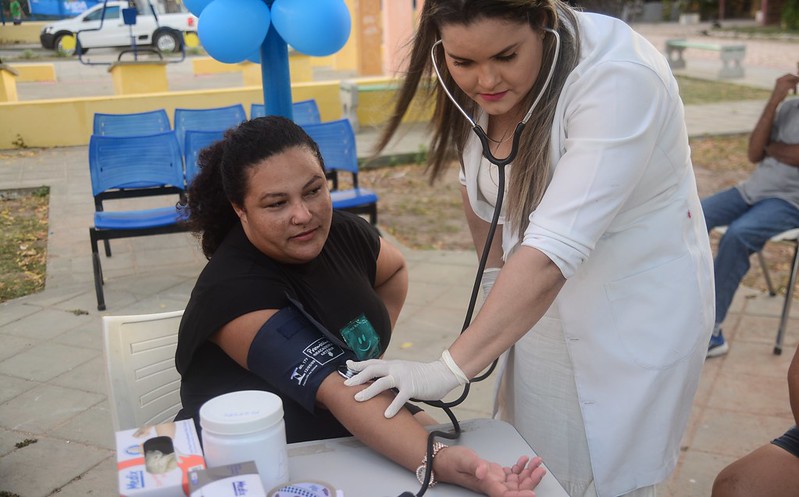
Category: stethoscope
[500,163]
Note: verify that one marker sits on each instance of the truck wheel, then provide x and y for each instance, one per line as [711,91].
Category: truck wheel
[167,40]
[65,44]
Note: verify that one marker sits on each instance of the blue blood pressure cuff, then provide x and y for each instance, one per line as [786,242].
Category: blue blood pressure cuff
[294,353]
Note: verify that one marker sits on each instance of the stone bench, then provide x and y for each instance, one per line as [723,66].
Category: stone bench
[732,56]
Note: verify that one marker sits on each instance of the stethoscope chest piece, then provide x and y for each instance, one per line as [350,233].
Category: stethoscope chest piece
[346,372]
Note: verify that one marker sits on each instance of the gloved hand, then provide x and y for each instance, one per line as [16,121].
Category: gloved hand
[488,279]
[418,380]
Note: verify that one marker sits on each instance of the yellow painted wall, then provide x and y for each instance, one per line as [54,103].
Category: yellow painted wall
[68,121]
[346,59]
[139,77]
[34,71]
[376,99]
[25,33]
[8,84]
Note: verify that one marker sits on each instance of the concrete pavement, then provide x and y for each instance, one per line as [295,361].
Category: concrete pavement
[52,385]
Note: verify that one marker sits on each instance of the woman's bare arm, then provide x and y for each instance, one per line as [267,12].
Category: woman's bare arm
[402,438]
[391,279]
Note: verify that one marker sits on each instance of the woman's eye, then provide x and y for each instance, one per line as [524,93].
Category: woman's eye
[460,63]
[506,58]
[313,192]
[276,205]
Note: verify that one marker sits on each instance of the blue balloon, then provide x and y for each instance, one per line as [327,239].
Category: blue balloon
[232,30]
[255,57]
[196,6]
[313,27]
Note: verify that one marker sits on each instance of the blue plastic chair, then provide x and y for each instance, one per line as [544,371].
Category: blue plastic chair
[305,112]
[195,142]
[141,123]
[336,142]
[133,166]
[214,119]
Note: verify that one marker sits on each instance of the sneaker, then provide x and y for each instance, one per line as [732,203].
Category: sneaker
[717,346]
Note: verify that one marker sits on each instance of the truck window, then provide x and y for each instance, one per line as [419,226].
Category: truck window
[110,13]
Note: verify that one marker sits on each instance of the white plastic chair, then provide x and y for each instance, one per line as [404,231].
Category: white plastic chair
[790,236]
[143,384]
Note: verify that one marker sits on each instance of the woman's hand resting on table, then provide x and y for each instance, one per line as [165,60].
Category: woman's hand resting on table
[462,466]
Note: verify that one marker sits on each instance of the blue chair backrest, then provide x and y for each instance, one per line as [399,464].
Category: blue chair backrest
[141,123]
[135,162]
[257,110]
[304,111]
[214,119]
[336,142]
[195,142]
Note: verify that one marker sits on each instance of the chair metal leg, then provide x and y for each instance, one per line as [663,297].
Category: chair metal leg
[98,271]
[98,283]
[786,308]
[107,245]
[771,291]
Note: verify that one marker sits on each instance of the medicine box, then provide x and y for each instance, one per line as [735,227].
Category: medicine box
[232,480]
[154,461]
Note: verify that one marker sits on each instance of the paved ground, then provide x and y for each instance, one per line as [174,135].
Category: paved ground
[52,385]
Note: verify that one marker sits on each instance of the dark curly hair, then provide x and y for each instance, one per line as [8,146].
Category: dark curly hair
[222,177]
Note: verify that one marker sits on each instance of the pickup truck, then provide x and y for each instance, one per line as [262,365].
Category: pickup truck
[162,31]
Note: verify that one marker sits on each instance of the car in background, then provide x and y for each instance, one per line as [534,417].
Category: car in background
[103,26]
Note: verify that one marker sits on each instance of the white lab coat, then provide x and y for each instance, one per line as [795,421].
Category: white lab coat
[621,218]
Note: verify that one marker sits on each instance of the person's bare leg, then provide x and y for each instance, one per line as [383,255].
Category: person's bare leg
[769,471]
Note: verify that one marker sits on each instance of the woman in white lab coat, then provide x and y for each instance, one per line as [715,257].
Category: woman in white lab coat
[604,303]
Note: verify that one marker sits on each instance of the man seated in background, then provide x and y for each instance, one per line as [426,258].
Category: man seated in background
[765,204]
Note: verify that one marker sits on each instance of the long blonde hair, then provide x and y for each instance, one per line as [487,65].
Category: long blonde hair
[530,172]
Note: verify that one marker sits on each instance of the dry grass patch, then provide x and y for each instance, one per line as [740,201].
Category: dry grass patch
[23,241]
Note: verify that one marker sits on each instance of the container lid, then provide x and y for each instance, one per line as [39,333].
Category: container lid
[238,413]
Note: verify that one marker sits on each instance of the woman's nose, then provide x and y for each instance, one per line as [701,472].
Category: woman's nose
[487,76]
[301,214]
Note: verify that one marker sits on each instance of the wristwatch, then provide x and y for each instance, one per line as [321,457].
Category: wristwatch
[420,471]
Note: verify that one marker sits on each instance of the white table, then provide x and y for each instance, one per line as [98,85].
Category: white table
[350,466]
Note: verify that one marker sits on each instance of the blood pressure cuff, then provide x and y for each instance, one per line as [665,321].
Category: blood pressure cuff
[295,353]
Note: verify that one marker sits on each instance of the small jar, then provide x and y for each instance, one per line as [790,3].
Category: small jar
[247,426]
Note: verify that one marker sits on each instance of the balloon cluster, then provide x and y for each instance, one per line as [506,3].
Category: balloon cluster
[233,30]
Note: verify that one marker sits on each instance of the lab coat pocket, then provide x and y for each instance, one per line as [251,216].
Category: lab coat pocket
[657,313]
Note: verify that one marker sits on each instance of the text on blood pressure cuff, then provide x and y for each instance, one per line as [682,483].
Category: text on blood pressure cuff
[294,354]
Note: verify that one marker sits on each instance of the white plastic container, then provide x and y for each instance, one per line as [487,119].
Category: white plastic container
[247,426]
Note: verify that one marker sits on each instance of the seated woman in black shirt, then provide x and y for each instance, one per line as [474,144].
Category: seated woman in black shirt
[291,291]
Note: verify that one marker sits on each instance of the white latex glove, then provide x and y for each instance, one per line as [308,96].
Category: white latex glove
[418,380]
[488,279]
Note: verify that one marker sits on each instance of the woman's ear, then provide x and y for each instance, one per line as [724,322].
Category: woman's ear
[239,210]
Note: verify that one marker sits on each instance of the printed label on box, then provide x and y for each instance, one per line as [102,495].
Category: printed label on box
[154,461]
[232,480]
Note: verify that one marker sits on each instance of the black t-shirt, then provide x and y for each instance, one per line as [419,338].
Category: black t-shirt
[335,288]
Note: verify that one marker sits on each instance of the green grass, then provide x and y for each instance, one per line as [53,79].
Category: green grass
[23,241]
[698,91]
[775,32]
